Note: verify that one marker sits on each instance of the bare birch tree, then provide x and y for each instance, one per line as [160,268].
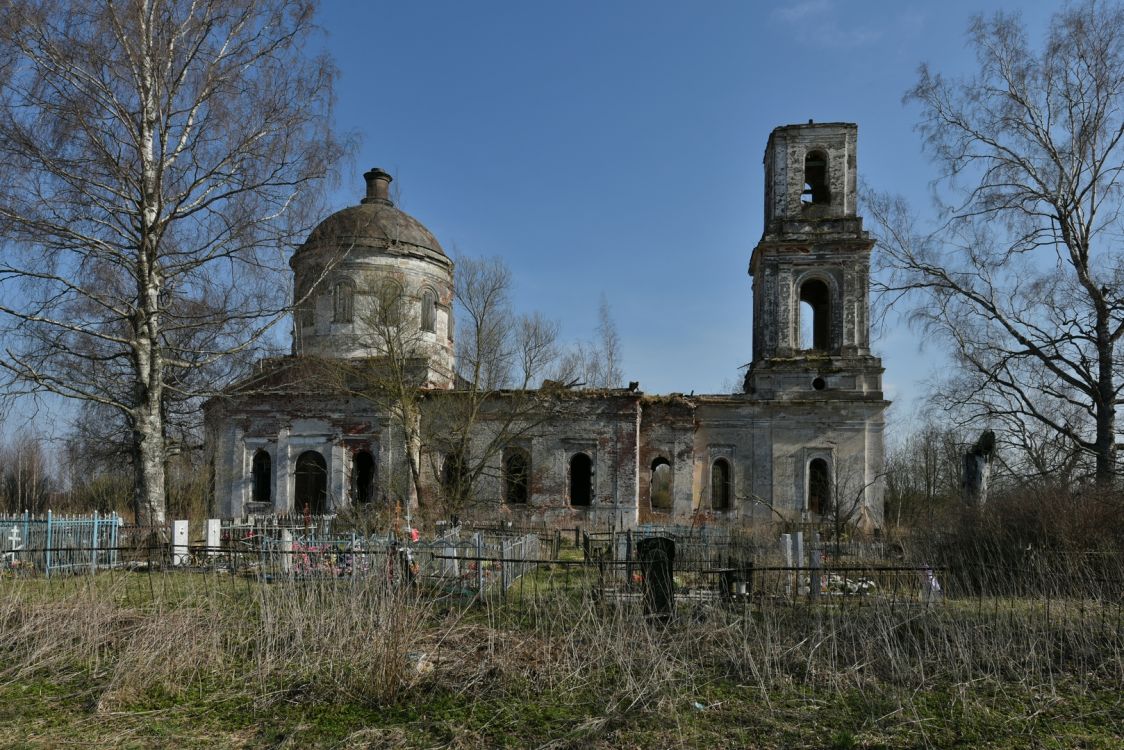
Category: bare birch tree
[1024,278]
[159,157]
[603,360]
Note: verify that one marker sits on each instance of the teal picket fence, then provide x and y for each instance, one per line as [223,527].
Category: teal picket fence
[58,543]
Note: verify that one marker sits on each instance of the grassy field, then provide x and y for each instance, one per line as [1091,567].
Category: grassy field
[209,660]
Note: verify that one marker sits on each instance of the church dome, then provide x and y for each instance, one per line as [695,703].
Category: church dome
[355,263]
[377,223]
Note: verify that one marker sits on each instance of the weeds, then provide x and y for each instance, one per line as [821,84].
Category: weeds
[331,659]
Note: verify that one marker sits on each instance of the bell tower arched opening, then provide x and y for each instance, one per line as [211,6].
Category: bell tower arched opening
[815,315]
[816,187]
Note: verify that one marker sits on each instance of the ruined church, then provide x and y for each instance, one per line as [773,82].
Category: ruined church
[802,441]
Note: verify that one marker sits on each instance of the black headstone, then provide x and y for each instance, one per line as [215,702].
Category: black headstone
[657,561]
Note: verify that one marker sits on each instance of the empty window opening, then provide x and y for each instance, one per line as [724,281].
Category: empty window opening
[429,310]
[311,494]
[454,478]
[816,191]
[659,491]
[363,477]
[390,303]
[263,477]
[343,300]
[720,485]
[516,475]
[815,315]
[581,480]
[819,486]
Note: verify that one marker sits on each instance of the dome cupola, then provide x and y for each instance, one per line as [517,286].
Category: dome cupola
[365,266]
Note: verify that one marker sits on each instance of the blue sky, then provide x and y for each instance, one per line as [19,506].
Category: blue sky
[615,147]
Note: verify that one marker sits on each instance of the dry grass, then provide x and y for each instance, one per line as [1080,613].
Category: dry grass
[247,664]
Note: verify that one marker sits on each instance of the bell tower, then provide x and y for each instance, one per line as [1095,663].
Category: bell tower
[811,272]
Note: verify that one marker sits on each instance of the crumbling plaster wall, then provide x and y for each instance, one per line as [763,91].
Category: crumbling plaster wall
[319,271]
[667,431]
[603,425]
[784,169]
[286,426]
[848,435]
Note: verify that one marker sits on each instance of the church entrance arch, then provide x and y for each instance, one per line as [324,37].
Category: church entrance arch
[311,491]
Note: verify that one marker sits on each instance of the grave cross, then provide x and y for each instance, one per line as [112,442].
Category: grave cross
[14,538]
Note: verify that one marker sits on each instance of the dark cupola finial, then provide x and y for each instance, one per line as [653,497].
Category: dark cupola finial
[378,187]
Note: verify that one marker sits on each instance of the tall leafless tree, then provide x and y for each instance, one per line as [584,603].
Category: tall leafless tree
[454,434]
[502,357]
[922,475]
[26,480]
[604,356]
[159,157]
[1024,277]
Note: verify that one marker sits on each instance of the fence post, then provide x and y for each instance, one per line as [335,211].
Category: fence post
[786,551]
[480,565]
[628,559]
[94,545]
[798,556]
[505,554]
[48,555]
[26,539]
[814,572]
[115,524]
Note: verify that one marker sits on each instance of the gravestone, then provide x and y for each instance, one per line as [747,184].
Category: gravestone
[180,554]
[214,527]
[657,561]
[286,551]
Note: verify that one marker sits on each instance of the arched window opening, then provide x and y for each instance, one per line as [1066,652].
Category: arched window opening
[390,303]
[659,490]
[343,302]
[815,315]
[581,480]
[311,484]
[819,486]
[429,310]
[263,477]
[516,476]
[363,477]
[454,478]
[816,190]
[720,485]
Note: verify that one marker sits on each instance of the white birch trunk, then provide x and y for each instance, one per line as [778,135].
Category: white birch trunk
[148,414]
